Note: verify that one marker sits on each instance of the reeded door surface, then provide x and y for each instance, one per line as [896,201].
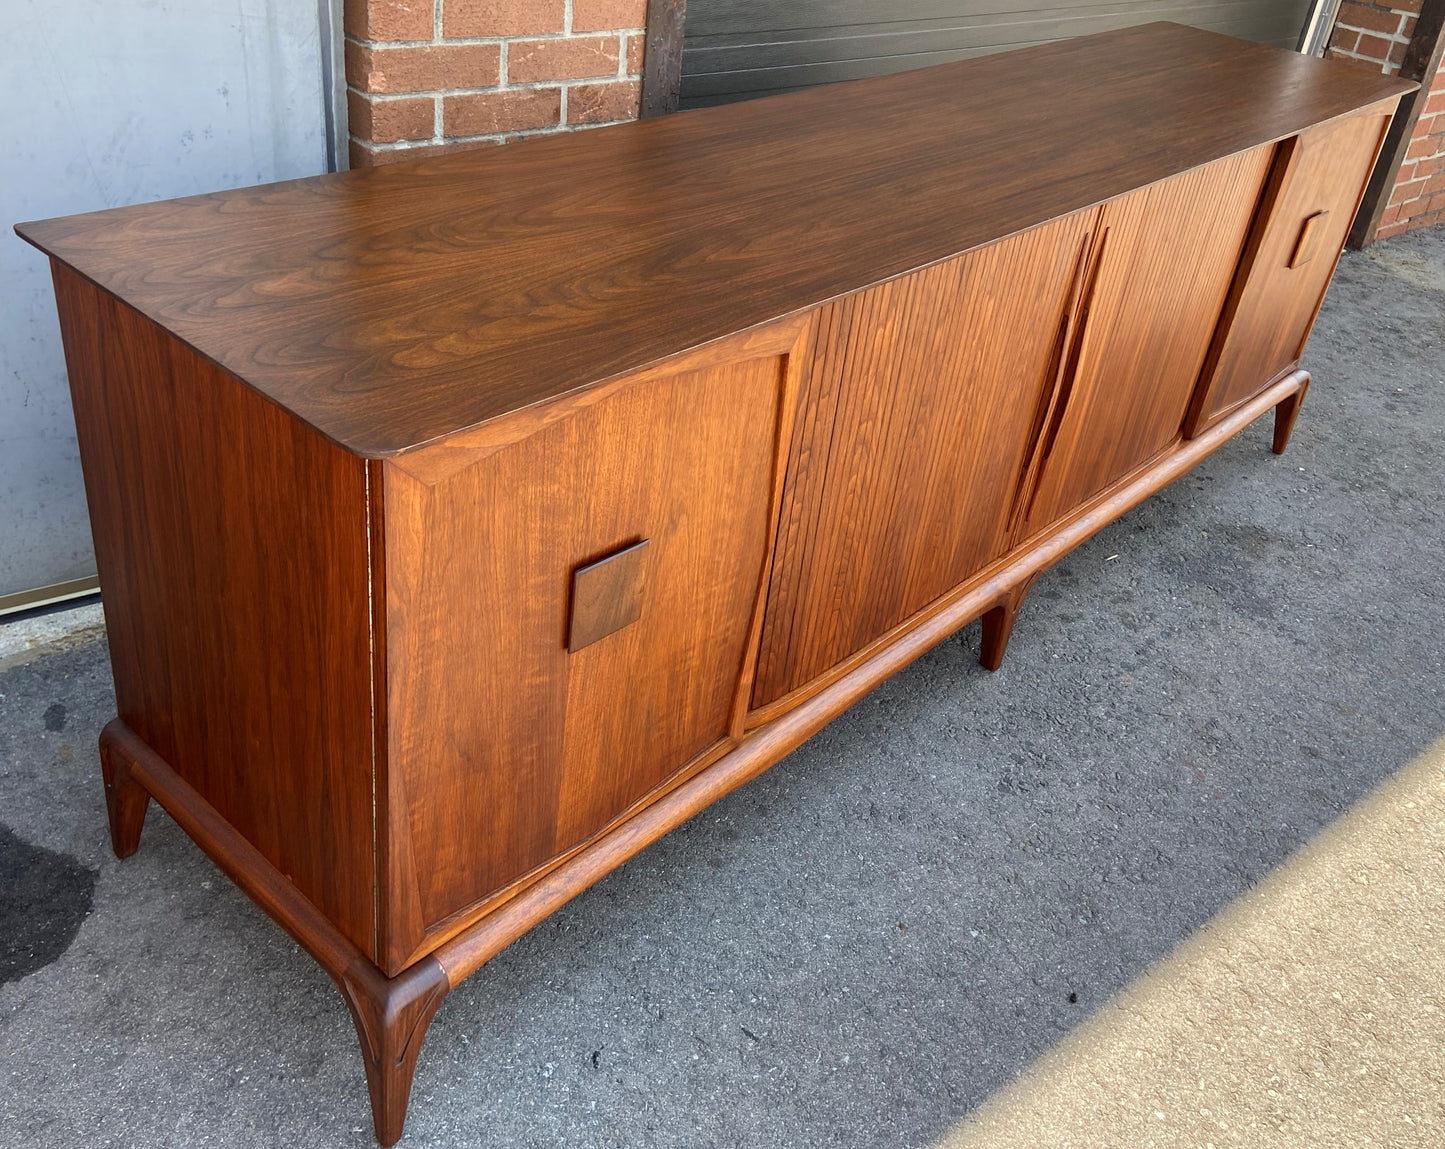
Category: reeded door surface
[919,401]
[1160,269]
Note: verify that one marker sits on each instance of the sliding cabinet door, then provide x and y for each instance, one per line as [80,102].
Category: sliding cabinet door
[920,401]
[570,595]
[1160,267]
[1318,180]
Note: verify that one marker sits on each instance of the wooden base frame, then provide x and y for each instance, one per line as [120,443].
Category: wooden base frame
[391,1014]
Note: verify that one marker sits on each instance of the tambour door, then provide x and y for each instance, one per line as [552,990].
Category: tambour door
[1316,187]
[568,602]
[919,401]
[1160,267]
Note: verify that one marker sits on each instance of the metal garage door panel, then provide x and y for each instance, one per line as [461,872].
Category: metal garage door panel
[734,49]
[114,104]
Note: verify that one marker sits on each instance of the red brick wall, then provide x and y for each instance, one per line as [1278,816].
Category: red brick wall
[1374,36]
[1418,198]
[423,75]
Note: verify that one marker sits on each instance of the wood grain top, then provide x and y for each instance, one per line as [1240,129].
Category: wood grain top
[391,306]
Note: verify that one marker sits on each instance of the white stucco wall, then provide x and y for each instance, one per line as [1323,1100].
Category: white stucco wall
[110,102]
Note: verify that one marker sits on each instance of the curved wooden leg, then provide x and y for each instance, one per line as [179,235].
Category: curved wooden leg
[126,800]
[391,1016]
[998,624]
[1286,413]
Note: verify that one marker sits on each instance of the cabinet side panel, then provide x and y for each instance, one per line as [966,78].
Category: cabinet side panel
[919,405]
[1290,261]
[511,749]
[231,545]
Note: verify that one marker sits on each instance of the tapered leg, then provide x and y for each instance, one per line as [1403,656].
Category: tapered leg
[1285,414]
[391,1016]
[126,799]
[998,624]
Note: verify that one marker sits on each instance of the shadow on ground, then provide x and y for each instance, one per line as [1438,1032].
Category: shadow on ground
[861,946]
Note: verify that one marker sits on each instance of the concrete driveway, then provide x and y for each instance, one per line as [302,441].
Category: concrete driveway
[863,945]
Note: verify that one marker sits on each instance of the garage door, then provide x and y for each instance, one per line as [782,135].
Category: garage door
[733,49]
[116,103]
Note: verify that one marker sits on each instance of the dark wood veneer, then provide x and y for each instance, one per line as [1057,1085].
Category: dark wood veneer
[465,525]
[392,306]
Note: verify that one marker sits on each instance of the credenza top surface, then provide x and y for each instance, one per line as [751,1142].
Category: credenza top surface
[391,306]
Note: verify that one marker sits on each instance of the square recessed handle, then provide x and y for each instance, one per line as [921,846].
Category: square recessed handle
[1311,232]
[607,595]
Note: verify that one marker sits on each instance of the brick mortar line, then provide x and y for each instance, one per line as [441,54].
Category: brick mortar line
[483,41]
[499,137]
[1405,13]
[1385,65]
[531,85]
[439,95]
[1396,37]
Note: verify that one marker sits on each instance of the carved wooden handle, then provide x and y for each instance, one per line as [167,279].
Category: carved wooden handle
[1311,232]
[607,595]
[1076,349]
[1049,392]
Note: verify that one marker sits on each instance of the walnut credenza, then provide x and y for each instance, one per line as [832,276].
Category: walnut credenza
[466,524]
